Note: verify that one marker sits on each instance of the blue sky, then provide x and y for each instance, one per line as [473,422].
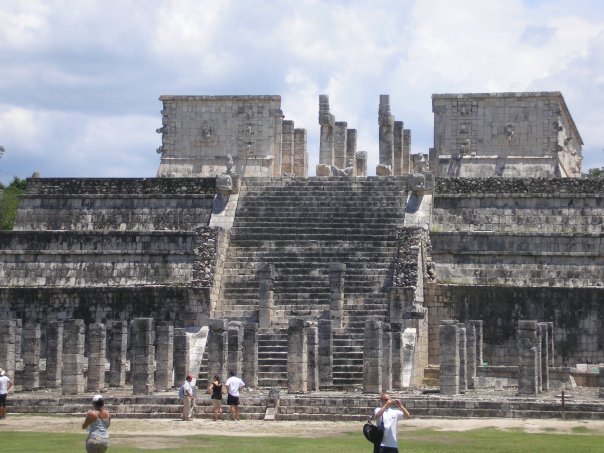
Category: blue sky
[81,79]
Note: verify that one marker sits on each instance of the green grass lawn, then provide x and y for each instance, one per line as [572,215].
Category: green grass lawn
[481,440]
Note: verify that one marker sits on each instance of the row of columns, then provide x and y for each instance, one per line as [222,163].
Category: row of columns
[535,356]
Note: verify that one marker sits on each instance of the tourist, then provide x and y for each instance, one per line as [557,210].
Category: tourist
[188,400]
[387,418]
[97,421]
[216,389]
[5,384]
[233,385]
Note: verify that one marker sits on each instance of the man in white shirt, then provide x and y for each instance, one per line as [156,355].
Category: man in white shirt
[188,401]
[5,384]
[388,418]
[233,385]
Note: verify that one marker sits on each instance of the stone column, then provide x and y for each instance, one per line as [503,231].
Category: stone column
[527,358]
[97,352]
[544,356]
[182,350]
[300,155]
[143,356]
[297,356]
[287,149]
[8,329]
[31,356]
[72,379]
[266,275]
[550,345]
[164,370]
[250,355]
[463,369]
[218,348]
[406,160]
[339,145]
[449,357]
[539,361]
[478,332]
[351,148]
[361,163]
[397,154]
[18,340]
[409,343]
[118,350]
[312,374]
[397,356]
[325,353]
[327,122]
[54,353]
[386,133]
[235,350]
[386,359]
[471,355]
[336,296]
[372,357]
[601,381]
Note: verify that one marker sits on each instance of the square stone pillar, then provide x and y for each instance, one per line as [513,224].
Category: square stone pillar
[287,150]
[478,332]
[449,357]
[142,334]
[31,356]
[300,155]
[250,355]
[409,344]
[325,353]
[550,344]
[327,123]
[386,131]
[361,163]
[97,353]
[351,148]
[54,354]
[539,361]
[218,348]
[471,355]
[235,351]
[266,275]
[372,356]
[72,379]
[544,356]
[339,144]
[337,272]
[164,370]
[312,374]
[386,359]
[18,340]
[118,350]
[182,349]
[397,164]
[397,356]
[406,151]
[601,381]
[528,374]
[463,369]
[8,330]
[297,356]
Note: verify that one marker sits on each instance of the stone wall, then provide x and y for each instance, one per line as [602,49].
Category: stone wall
[115,204]
[577,314]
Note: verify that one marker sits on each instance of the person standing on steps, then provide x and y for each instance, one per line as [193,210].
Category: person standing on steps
[387,417]
[188,400]
[233,385]
[216,389]
[5,384]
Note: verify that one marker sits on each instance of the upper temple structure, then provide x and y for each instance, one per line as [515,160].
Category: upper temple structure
[504,134]
[480,260]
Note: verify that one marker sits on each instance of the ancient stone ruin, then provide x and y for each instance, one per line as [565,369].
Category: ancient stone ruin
[477,265]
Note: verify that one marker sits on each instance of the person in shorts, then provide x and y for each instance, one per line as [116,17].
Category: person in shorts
[216,390]
[5,384]
[233,385]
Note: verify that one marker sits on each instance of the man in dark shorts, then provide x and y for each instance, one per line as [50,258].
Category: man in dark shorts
[5,384]
[233,385]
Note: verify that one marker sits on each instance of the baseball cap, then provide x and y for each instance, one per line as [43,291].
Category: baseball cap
[2,372]
[96,398]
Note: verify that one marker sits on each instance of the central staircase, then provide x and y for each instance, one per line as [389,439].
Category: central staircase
[300,226]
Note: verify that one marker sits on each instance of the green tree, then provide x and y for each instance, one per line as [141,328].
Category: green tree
[9,202]
[595,173]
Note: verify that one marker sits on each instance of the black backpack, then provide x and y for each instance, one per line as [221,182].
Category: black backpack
[372,433]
